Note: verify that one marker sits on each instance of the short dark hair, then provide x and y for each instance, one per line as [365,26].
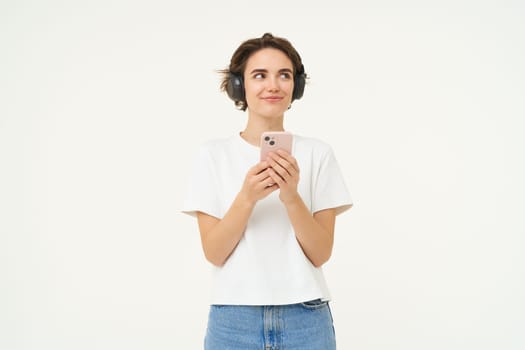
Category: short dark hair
[248,48]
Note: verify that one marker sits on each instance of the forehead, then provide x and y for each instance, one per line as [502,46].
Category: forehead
[268,58]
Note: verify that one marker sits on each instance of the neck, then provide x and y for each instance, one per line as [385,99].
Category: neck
[257,125]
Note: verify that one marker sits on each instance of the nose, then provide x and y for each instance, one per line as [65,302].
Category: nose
[273,84]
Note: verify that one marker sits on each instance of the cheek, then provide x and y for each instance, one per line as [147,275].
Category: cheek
[288,87]
[252,89]
[289,90]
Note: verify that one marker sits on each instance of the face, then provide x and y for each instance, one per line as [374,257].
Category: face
[268,83]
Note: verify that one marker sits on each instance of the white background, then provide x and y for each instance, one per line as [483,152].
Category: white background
[103,102]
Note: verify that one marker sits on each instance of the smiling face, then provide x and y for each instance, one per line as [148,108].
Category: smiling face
[268,83]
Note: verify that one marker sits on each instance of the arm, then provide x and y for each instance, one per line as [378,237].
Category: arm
[315,233]
[219,237]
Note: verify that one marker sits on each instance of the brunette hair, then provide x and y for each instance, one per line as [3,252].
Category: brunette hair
[248,48]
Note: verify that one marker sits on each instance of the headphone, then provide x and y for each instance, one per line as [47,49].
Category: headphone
[235,86]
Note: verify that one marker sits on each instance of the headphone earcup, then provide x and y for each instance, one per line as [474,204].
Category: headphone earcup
[235,87]
[298,89]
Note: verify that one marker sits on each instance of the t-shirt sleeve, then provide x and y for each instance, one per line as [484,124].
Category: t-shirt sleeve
[201,192]
[330,190]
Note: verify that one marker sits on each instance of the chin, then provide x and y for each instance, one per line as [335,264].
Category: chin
[270,110]
[272,114]
[274,109]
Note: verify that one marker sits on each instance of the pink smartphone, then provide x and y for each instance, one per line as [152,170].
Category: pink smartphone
[274,140]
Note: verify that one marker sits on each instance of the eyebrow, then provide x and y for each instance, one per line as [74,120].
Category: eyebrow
[262,70]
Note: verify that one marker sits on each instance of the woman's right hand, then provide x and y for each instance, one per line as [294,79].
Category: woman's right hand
[258,184]
[220,236]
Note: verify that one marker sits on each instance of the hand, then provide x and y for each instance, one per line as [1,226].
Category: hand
[284,171]
[258,183]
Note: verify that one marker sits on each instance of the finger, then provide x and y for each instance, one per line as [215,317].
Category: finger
[262,177]
[280,171]
[282,166]
[278,179]
[258,168]
[273,163]
[283,153]
[289,158]
[285,160]
[269,182]
[270,189]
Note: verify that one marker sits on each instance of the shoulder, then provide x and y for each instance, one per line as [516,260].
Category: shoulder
[216,145]
[311,141]
[311,145]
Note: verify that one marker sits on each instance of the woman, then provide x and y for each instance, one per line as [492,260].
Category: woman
[267,226]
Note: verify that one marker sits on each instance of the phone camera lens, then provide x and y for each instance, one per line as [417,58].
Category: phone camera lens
[272,143]
[267,138]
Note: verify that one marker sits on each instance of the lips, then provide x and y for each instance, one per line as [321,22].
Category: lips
[273,98]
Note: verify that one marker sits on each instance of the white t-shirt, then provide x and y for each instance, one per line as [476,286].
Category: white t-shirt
[268,266]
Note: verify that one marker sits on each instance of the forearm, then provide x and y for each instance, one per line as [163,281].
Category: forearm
[220,240]
[315,239]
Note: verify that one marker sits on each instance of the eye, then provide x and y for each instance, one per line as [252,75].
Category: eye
[286,75]
[258,75]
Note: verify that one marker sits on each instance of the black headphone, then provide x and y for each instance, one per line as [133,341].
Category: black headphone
[235,86]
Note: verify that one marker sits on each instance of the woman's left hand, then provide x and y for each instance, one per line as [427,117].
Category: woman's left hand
[284,170]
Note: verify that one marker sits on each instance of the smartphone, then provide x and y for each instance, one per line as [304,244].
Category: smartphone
[274,140]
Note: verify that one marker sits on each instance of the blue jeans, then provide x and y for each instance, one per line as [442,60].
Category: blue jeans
[304,326]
